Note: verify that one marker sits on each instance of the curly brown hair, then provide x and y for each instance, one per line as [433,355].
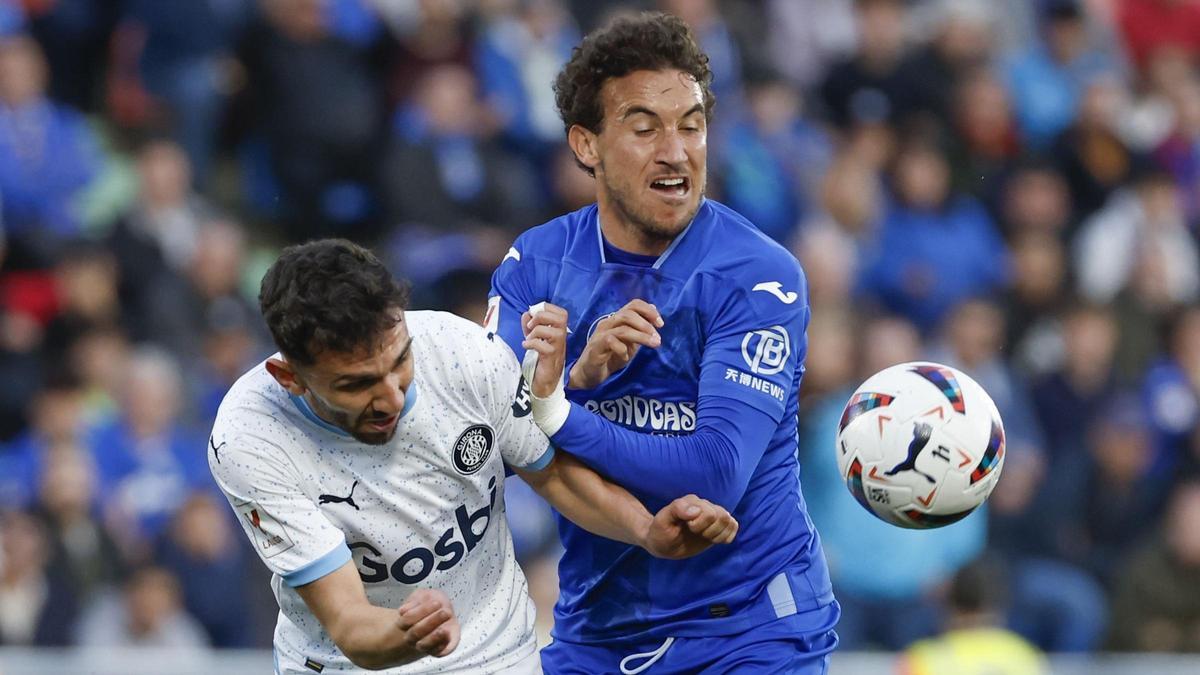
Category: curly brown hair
[646,41]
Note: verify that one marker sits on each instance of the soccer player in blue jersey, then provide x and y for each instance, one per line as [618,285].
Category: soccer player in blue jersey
[681,329]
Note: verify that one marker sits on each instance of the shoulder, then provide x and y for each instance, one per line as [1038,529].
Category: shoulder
[552,238]
[744,259]
[452,342]
[253,423]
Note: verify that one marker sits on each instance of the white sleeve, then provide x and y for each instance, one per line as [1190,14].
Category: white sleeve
[291,535]
[522,443]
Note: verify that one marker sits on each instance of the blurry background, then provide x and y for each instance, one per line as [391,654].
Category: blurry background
[1011,188]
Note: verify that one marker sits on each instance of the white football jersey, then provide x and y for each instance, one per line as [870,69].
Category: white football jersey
[425,510]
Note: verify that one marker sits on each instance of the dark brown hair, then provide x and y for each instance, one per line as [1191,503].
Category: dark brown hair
[329,295]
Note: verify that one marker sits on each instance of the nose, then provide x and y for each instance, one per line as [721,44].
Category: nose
[671,149]
[389,399]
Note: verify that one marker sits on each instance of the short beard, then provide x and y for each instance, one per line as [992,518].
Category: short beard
[342,421]
[650,231]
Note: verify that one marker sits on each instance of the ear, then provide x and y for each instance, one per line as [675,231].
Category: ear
[584,143]
[286,377]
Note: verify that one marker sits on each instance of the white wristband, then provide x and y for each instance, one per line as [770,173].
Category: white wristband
[549,413]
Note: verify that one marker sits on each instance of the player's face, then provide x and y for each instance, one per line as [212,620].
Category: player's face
[653,151]
[364,393]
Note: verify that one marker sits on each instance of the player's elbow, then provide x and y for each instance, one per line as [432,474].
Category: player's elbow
[724,490]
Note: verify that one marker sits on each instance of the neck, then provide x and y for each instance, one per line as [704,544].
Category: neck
[627,236]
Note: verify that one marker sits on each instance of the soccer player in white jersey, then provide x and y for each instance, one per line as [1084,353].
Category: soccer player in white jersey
[366,463]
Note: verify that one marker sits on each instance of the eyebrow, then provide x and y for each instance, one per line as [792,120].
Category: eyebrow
[354,378]
[642,110]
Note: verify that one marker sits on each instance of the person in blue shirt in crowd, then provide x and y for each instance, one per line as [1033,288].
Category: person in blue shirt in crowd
[681,330]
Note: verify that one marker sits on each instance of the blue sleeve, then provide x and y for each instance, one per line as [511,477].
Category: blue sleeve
[715,462]
[511,295]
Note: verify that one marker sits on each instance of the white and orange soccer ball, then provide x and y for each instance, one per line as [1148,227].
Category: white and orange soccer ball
[920,445]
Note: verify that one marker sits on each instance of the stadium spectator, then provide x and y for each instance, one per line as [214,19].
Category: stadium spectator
[909,270]
[157,235]
[67,504]
[973,640]
[1171,390]
[38,607]
[960,44]
[148,612]
[1047,80]
[47,157]
[203,552]
[1069,398]
[805,37]
[1180,152]
[1156,606]
[178,305]
[1121,498]
[986,140]
[1039,282]
[1140,242]
[1091,154]
[319,107]
[1150,27]
[55,419]
[146,458]
[875,83]
[773,159]
[518,49]
[443,171]
[186,64]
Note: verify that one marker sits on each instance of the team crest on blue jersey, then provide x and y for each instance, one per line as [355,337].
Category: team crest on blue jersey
[472,448]
[766,350]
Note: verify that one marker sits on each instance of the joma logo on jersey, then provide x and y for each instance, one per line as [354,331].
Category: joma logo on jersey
[414,566]
[647,414]
[766,350]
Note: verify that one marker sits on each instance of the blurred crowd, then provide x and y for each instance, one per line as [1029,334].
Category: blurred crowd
[1010,188]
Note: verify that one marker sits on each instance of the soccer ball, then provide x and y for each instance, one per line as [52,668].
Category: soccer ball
[920,445]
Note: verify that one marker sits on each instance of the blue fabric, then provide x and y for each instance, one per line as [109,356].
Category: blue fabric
[150,478]
[926,262]
[799,644]
[20,471]
[715,409]
[1046,93]
[326,564]
[541,462]
[715,462]
[47,155]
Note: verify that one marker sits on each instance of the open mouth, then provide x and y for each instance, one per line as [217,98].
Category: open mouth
[382,423]
[672,186]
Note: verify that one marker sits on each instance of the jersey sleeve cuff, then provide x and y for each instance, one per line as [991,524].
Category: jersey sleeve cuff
[541,462]
[318,568]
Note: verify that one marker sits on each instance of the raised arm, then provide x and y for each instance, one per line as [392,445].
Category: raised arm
[738,413]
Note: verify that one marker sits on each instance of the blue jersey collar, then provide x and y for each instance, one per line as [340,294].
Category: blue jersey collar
[662,259]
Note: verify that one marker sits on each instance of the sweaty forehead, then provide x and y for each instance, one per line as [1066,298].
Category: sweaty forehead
[666,92]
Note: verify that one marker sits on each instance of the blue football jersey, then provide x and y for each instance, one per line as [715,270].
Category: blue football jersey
[735,307]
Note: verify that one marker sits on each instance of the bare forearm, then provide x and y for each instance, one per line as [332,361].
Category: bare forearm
[590,501]
[368,636]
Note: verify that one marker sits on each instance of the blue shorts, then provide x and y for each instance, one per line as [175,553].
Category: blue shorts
[800,643]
